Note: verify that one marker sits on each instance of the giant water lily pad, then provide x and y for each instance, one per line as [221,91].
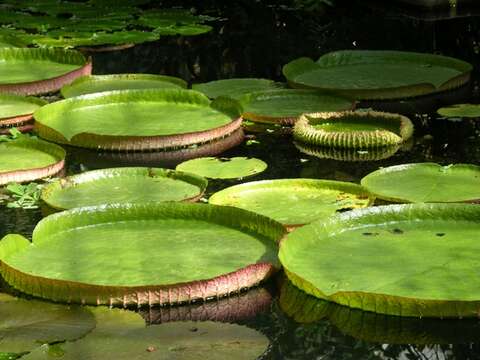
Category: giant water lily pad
[27,159]
[16,111]
[461,110]
[235,88]
[425,182]
[408,260]
[124,339]
[294,202]
[27,324]
[373,327]
[285,106]
[367,74]
[99,83]
[37,71]
[223,168]
[353,129]
[151,253]
[123,185]
[138,119]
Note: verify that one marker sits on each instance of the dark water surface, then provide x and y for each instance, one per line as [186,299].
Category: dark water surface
[255,40]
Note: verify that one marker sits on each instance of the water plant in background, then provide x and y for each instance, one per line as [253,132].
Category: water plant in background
[377,75]
[100,83]
[460,111]
[77,24]
[22,196]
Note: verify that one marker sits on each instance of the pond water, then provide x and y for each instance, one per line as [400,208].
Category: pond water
[255,40]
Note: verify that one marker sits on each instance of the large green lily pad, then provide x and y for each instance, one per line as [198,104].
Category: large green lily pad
[37,71]
[460,110]
[119,185]
[27,324]
[235,88]
[372,327]
[99,83]
[124,339]
[353,129]
[409,260]
[138,119]
[285,106]
[223,168]
[294,202]
[425,182]
[151,253]
[367,74]
[27,159]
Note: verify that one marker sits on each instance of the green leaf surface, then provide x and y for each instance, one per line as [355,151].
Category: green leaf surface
[27,324]
[28,154]
[14,105]
[99,83]
[145,244]
[235,88]
[408,260]
[460,110]
[223,168]
[294,201]
[425,182]
[378,74]
[21,65]
[134,185]
[132,113]
[171,341]
[290,103]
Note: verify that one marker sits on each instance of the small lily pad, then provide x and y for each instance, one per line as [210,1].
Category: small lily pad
[460,110]
[425,182]
[223,168]
[294,202]
[27,324]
